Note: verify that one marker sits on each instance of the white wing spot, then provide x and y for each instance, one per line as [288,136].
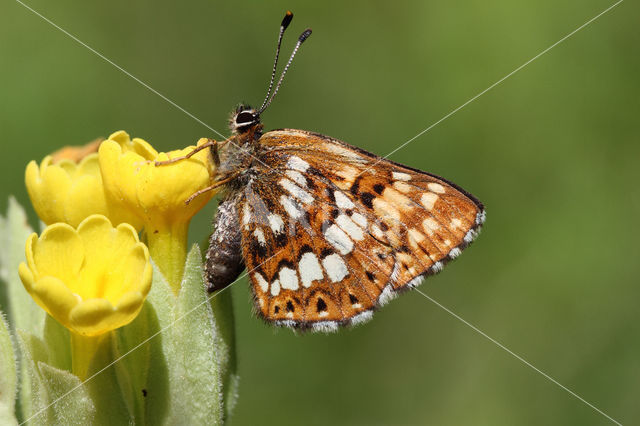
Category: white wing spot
[291,207]
[335,267]
[297,177]
[276,223]
[435,187]
[342,201]
[350,227]
[338,239]
[377,232]
[288,278]
[262,283]
[384,209]
[309,269]
[437,267]
[402,187]
[296,191]
[297,163]
[352,156]
[456,223]
[430,225]
[415,237]
[348,173]
[246,214]
[395,198]
[428,200]
[400,176]
[359,219]
[260,236]
[275,288]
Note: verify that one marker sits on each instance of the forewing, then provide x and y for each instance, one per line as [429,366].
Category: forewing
[330,231]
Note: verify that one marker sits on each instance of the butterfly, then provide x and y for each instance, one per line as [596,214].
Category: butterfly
[328,232]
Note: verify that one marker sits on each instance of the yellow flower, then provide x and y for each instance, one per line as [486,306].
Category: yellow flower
[69,192]
[93,279]
[157,194]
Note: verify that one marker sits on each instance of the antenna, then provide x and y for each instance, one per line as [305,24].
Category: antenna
[283,26]
[305,35]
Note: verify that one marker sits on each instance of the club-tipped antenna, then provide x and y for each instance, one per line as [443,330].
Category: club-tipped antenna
[305,35]
[283,26]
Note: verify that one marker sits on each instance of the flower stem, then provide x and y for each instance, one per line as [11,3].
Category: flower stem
[83,351]
[168,249]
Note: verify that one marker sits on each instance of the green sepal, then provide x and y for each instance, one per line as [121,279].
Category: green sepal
[103,387]
[56,340]
[8,376]
[131,346]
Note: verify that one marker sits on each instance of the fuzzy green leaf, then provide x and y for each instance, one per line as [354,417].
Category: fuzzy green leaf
[222,309]
[22,311]
[187,385]
[69,399]
[160,303]
[35,402]
[8,376]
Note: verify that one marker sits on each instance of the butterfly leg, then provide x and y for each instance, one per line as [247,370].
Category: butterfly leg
[209,188]
[224,261]
[212,143]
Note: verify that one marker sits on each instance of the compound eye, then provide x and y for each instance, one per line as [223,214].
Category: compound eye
[244,118]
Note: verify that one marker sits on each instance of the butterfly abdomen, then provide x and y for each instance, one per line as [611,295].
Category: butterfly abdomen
[224,260]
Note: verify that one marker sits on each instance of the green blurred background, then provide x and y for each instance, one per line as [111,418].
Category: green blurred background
[553,152]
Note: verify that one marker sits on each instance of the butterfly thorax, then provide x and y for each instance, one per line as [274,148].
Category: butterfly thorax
[239,157]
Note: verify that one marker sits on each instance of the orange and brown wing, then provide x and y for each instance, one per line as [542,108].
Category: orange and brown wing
[331,232]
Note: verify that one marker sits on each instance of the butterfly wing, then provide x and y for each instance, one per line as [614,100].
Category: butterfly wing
[330,232]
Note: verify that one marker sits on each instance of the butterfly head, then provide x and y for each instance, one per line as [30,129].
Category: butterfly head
[243,119]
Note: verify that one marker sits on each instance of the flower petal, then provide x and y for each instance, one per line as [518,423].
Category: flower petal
[89,165]
[52,295]
[58,252]
[92,317]
[133,273]
[130,303]
[47,187]
[85,197]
